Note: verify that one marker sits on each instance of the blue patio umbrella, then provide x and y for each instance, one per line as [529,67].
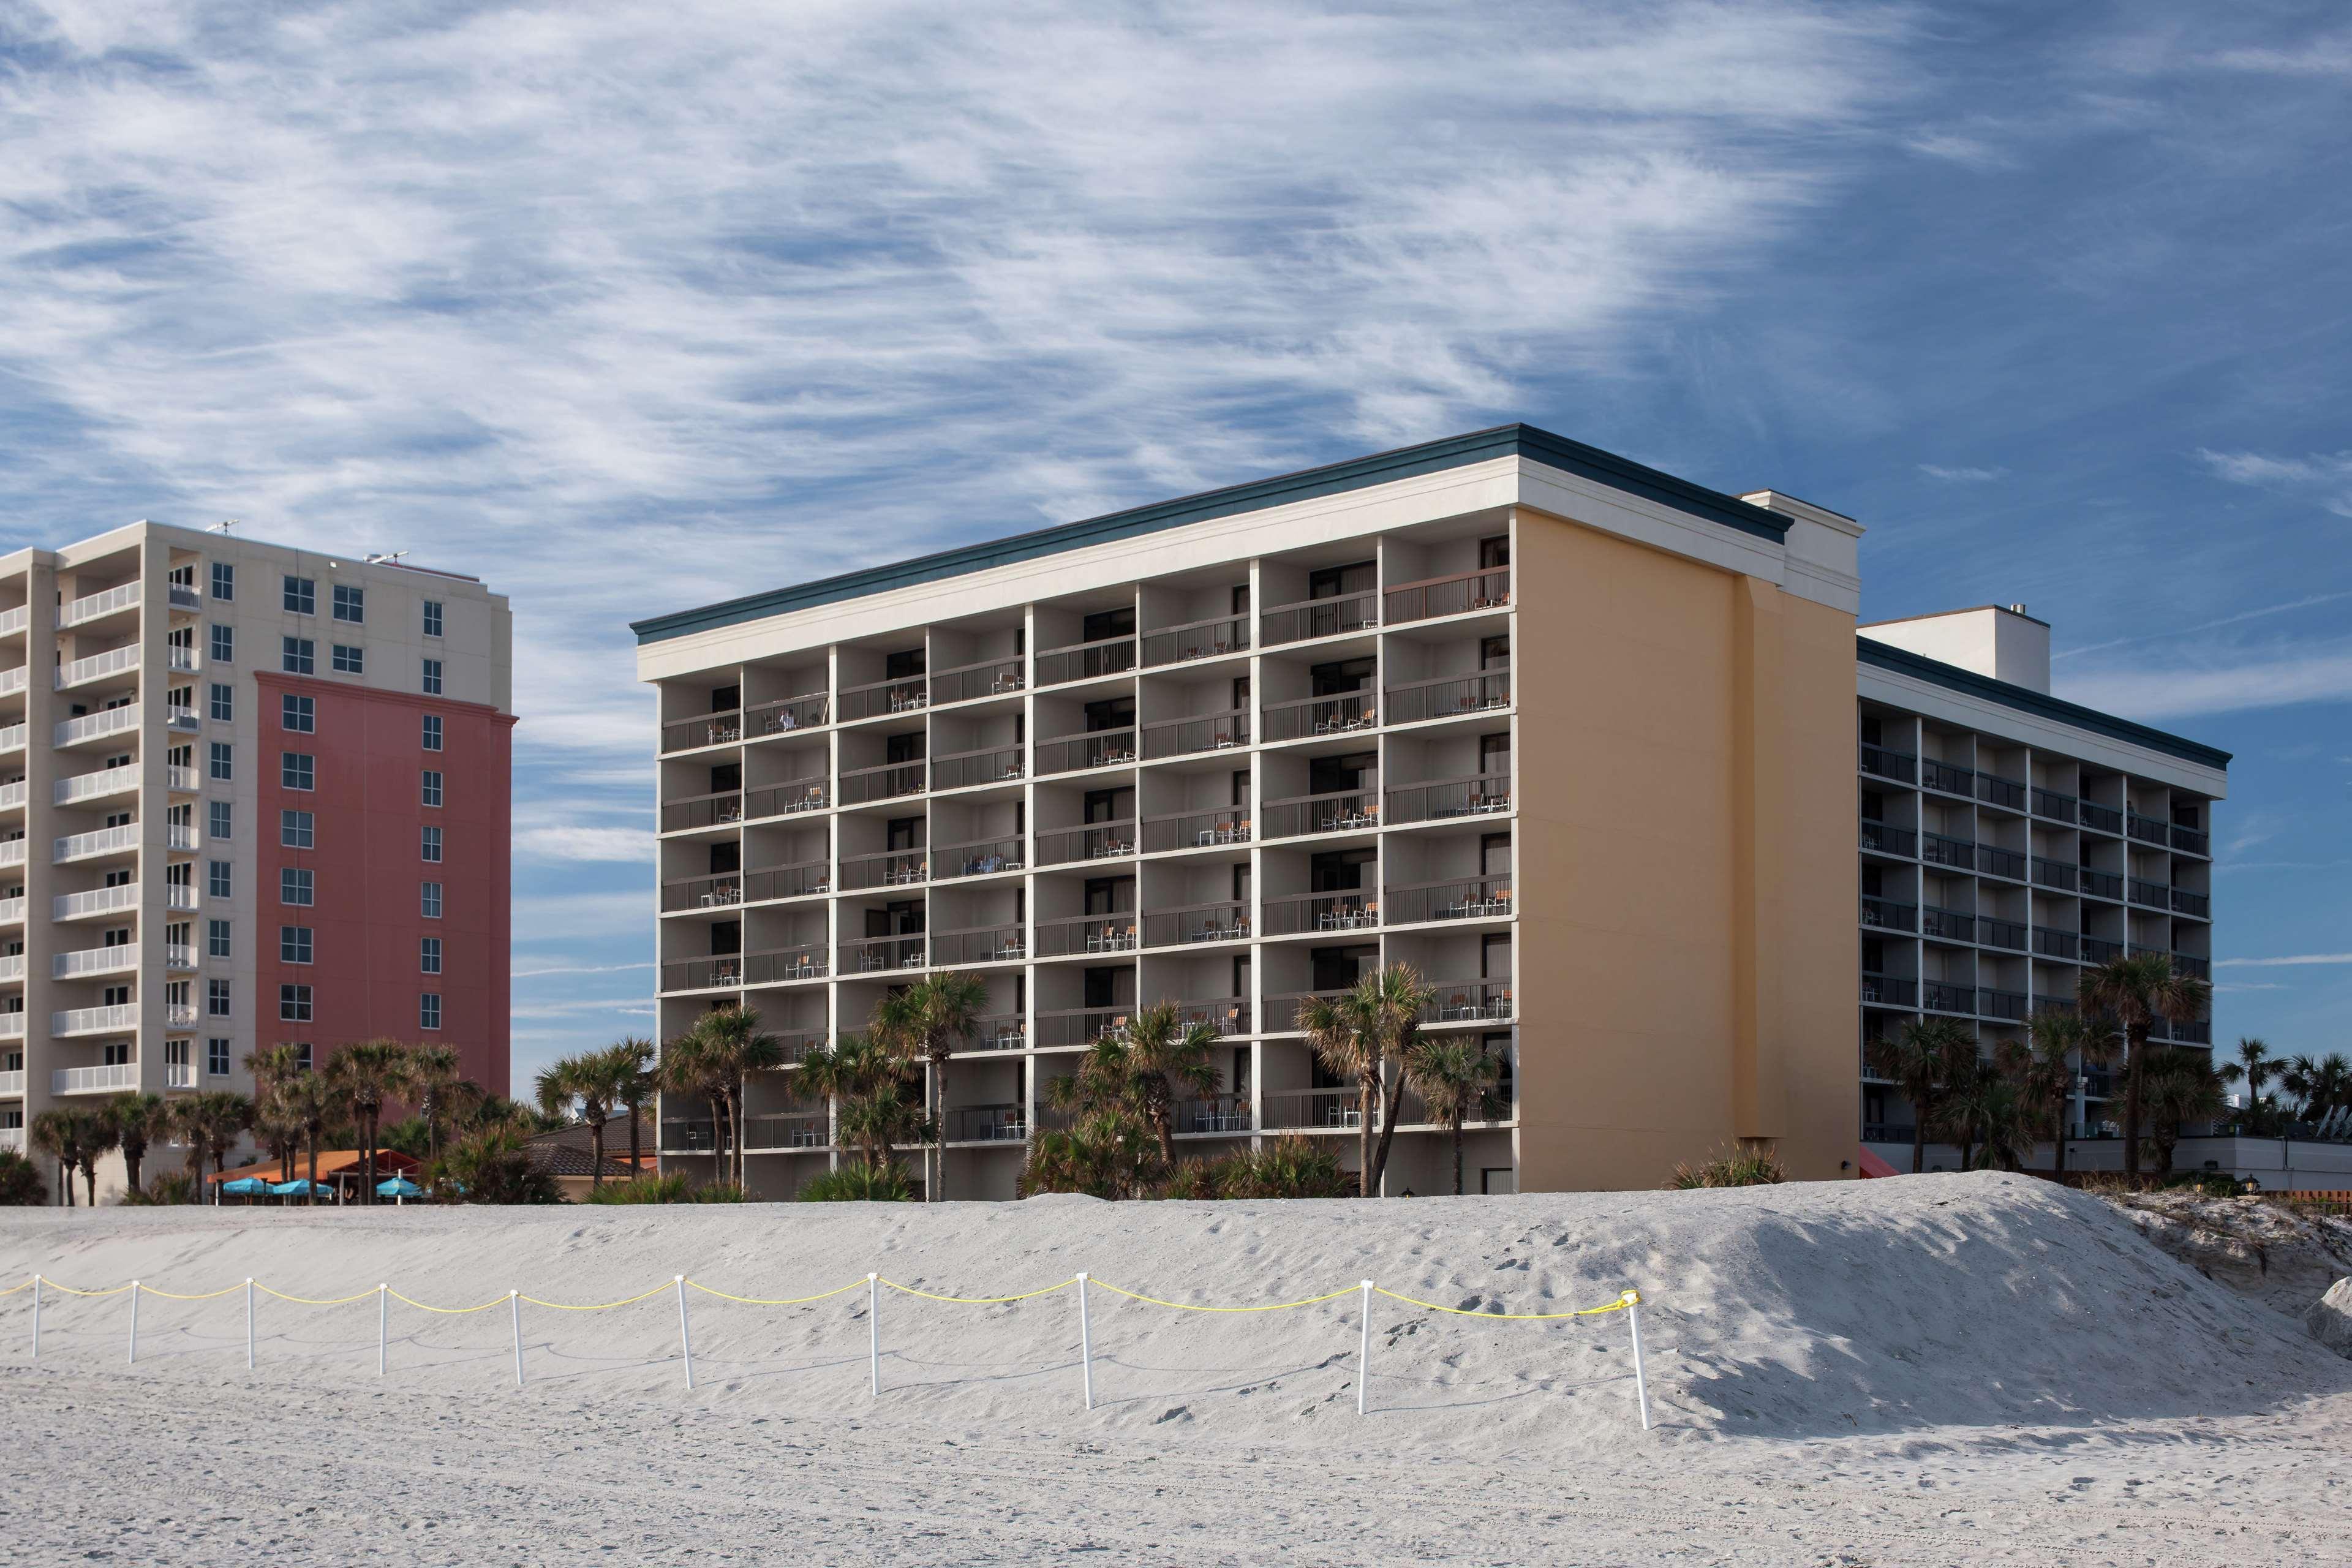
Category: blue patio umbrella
[398,1187]
[246,1187]
[298,1187]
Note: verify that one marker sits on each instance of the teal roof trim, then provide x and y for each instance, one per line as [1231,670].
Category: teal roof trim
[2041,705]
[1357,473]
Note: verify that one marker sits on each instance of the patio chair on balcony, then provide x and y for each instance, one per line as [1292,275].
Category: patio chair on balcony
[1455,1006]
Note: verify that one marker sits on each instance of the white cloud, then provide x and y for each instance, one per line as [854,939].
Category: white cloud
[1961,476]
[580,969]
[2228,681]
[2301,958]
[2326,475]
[569,844]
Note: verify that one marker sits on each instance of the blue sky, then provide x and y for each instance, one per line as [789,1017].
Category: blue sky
[627,309]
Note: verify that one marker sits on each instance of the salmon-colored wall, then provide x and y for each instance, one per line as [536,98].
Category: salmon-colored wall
[1686,865]
[366,981]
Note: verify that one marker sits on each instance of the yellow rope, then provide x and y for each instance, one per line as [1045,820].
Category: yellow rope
[14,1288]
[207,1295]
[447,1312]
[1629,1298]
[1181,1307]
[69,1290]
[308,1301]
[601,1306]
[978,1301]
[769,1302]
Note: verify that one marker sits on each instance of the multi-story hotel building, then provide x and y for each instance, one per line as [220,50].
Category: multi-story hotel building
[260,796]
[1240,749]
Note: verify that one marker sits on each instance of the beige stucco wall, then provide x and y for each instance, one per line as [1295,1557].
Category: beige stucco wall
[1686,956]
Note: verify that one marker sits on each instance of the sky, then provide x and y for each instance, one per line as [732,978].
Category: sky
[627,309]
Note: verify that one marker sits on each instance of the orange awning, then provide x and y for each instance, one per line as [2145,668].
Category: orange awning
[331,1163]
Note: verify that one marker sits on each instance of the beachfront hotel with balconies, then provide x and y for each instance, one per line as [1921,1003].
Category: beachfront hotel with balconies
[1574,738]
[262,797]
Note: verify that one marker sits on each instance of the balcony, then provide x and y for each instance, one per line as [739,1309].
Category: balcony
[122,840]
[707,730]
[1300,914]
[881,955]
[2189,841]
[97,666]
[1470,899]
[1995,862]
[970,682]
[1900,766]
[1993,931]
[891,780]
[12,969]
[2043,1003]
[1282,1010]
[808,712]
[182,836]
[1468,1002]
[1939,849]
[12,851]
[1419,700]
[1205,732]
[1098,841]
[179,1075]
[1313,1108]
[702,811]
[80,963]
[2101,884]
[106,1080]
[891,869]
[2050,804]
[1947,925]
[1881,839]
[1195,830]
[2147,829]
[101,725]
[1076,753]
[728,971]
[180,597]
[13,621]
[12,796]
[1346,713]
[1941,996]
[989,764]
[1444,800]
[2193,967]
[181,719]
[1212,638]
[875,700]
[2197,905]
[12,1026]
[1348,811]
[1119,933]
[96,785]
[987,1124]
[787,1129]
[179,896]
[92,606]
[788,799]
[1458,595]
[96,901]
[1086,661]
[1994,790]
[979,857]
[12,681]
[1310,618]
[95,1020]
[2152,895]
[1885,914]
[12,1084]
[1191,923]
[1083,1025]
[2096,950]
[179,955]
[180,659]
[12,738]
[2050,942]
[1946,777]
[1214,1113]
[1227,1014]
[2058,875]
[979,944]
[2101,818]
[180,781]
[11,912]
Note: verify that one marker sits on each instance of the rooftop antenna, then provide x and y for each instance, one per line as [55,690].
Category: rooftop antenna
[384,558]
[222,526]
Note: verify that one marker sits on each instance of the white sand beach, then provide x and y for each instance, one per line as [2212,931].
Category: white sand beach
[1932,1370]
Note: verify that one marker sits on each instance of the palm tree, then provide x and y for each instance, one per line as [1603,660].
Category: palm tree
[634,1087]
[2182,1087]
[1929,1054]
[433,1078]
[59,1134]
[208,1123]
[925,1022]
[365,1074]
[739,1047]
[1452,1073]
[137,1120]
[2254,1067]
[1976,1102]
[2329,1088]
[311,1102]
[1106,1153]
[2136,990]
[587,1081]
[870,1091]
[1143,1069]
[2042,1067]
[1363,1034]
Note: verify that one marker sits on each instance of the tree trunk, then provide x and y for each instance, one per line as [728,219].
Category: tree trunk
[90,1180]
[131,1163]
[1388,1128]
[2065,1108]
[939,1134]
[2137,1038]
[1457,1154]
[1366,1096]
[596,1151]
[637,1166]
[1918,1139]
[311,1194]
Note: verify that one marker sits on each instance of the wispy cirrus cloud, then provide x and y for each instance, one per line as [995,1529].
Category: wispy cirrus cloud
[2297,959]
[2228,681]
[1962,476]
[2324,477]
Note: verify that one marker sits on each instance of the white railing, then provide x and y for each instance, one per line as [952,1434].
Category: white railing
[12,851]
[12,1138]
[181,781]
[11,795]
[180,836]
[12,1026]
[180,1014]
[12,1081]
[179,896]
[11,912]
[12,681]
[113,661]
[180,717]
[96,902]
[12,738]
[82,961]
[180,658]
[91,726]
[105,841]
[16,620]
[94,1081]
[89,606]
[179,955]
[95,1020]
[89,786]
[179,1075]
[11,968]
[184,598]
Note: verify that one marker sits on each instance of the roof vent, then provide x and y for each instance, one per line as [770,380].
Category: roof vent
[2017,609]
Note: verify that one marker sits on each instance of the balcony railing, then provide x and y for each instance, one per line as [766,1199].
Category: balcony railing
[908,694]
[2057,874]
[1484,794]
[2050,941]
[94,1081]
[1352,911]
[1083,1025]
[1462,898]
[2193,967]
[2009,1004]
[1453,595]
[878,954]
[80,962]
[1900,766]
[104,841]
[1119,932]
[15,620]
[2052,804]
[1311,618]
[11,912]
[1468,1002]
[1344,713]
[789,798]
[987,1124]
[702,811]
[1882,840]
[1203,732]
[688,1134]
[1197,639]
[2147,829]
[989,677]
[98,665]
[1075,753]
[89,606]
[725,971]
[95,1020]
[1096,841]
[1348,811]
[2154,895]
[1007,943]
[1087,661]
[1994,932]
[2102,818]
[1886,915]
[12,851]
[2101,884]
[12,1086]
[2098,949]
[1227,1014]
[12,737]
[1196,829]
[1227,922]
[790,713]
[12,969]
[724,891]
[1939,849]
[2190,841]
[92,786]
[1312,1107]
[2185,902]
[1449,698]
[13,795]
[981,858]
[96,901]
[801,879]
[1947,925]
[1995,862]
[1949,777]
[997,1032]
[890,781]
[707,730]
[988,764]
[181,835]
[97,726]
[1214,1113]
[180,1014]
[890,868]
[1994,790]
[786,1129]
[182,598]
[1942,997]
[2043,1003]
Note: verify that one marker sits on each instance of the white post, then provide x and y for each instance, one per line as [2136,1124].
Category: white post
[249,1322]
[514,1304]
[1085,1339]
[874,1330]
[37,1317]
[134,1319]
[685,1338]
[382,1325]
[1364,1352]
[1641,1384]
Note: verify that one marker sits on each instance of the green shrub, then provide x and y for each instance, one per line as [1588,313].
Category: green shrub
[2211,1184]
[20,1182]
[492,1166]
[718,1192]
[1738,1168]
[859,1184]
[1290,1167]
[171,1188]
[669,1187]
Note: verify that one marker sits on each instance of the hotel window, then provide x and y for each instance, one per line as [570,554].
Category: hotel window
[224,582]
[433,731]
[223,642]
[293,945]
[428,900]
[217,1057]
[431,786]
[432,617]
[428,955]
[302,1056]
[350,603]
[301,596]
[296,830]
[217,999]
[219,879]
[217,940]
[428,1010]
[297,770]
[432,846]
[299,657]
[299,714]
[298,886]
[349,660]
[220,816]
[432,677]
[224,703]
[293,1003]
[224,762]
